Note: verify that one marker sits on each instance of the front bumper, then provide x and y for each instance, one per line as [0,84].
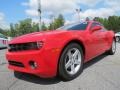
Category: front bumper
[46,62]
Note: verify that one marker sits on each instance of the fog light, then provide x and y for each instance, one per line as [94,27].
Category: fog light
[33,64]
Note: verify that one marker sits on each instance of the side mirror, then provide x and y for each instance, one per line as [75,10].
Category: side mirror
[96,28]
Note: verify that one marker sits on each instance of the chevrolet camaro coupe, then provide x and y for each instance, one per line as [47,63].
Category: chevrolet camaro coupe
[61,52]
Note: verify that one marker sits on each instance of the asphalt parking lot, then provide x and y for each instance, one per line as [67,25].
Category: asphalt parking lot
[102,73]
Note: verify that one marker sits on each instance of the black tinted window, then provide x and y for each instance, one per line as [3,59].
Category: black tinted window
[79,26]
[95,24]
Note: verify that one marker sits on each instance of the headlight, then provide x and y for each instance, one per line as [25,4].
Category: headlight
[35,45]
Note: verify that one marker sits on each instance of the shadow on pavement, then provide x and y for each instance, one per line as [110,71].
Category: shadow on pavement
[95,60]
[38,80]
[3,48]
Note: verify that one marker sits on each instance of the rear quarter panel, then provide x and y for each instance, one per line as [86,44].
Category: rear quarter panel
[110,37]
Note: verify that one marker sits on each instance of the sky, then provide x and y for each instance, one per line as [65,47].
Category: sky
[12,11]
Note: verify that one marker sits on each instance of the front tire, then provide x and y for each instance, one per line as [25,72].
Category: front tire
[71,62]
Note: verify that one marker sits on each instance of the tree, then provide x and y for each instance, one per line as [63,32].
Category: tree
[111,23]
[50,27]
[1,31]
[25,26]
[16,27]
[43,26]
[58,22]
[35,27]
[12,30]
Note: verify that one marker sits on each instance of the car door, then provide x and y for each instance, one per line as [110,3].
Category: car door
[103,34]
[96,41]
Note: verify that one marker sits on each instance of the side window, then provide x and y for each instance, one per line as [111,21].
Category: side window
[95,24]
[103,28]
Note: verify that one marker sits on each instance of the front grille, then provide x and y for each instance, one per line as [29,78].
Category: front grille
[18,47]
[21,47]
[14,63]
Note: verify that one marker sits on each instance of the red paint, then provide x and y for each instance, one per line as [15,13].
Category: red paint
[95,43]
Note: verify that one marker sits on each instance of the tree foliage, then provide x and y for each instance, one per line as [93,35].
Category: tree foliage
[23,27]
[27,26]
[5,31]
[43,26]
[58,22]
[111,23]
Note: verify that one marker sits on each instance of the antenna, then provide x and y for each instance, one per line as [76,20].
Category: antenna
[39,11]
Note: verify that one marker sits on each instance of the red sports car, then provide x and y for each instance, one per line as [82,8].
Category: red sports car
[60,52]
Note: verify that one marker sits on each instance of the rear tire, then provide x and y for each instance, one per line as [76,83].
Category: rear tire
[117,38]
[113,48]
[71,62]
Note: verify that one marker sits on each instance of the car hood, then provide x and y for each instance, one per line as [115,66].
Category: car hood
[37,36]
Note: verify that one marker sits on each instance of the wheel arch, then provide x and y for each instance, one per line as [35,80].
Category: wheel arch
[115,38]
[71,41]
[75,41]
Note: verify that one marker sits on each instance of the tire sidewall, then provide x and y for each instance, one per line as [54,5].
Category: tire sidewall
[111,52]
[117,38]
[62,70]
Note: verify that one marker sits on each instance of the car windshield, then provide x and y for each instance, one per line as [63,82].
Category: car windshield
[76,26]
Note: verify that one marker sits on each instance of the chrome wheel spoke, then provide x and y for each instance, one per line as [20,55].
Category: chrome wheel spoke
[73,61]
[75,54]
[113,46]
[77,62]
[68,64]
[73,68]
[69,55]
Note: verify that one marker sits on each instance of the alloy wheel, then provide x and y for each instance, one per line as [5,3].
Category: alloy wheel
[73,61]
